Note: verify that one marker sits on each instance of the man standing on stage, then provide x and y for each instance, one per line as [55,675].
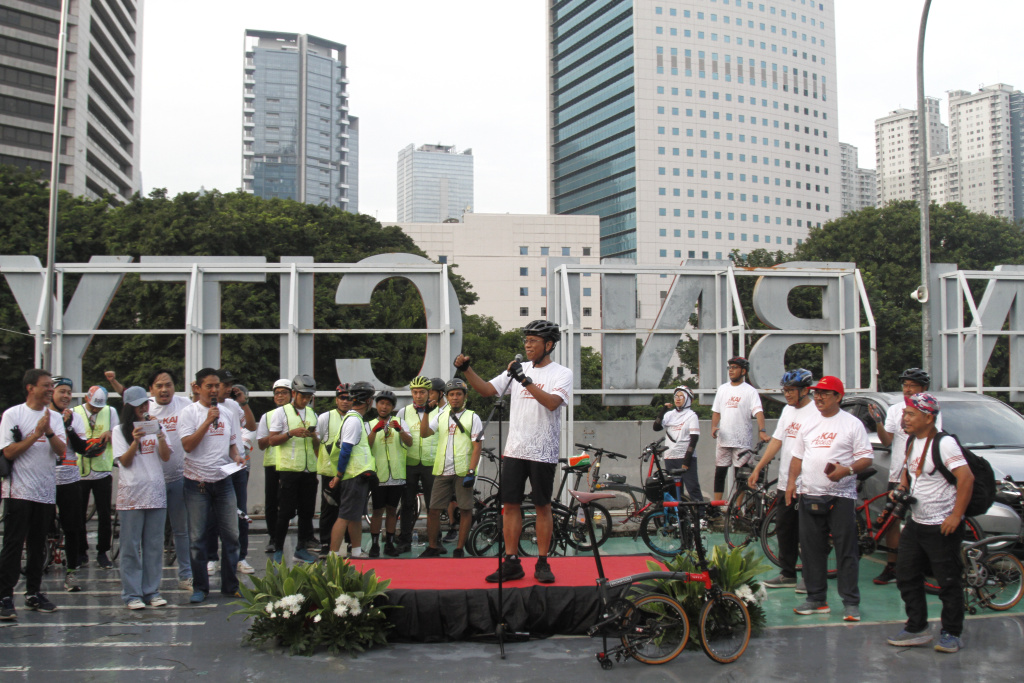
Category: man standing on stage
[531,452]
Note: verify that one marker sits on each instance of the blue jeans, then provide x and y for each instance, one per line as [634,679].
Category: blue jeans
[142,553]
[178,515]
[240,480]
[216,499]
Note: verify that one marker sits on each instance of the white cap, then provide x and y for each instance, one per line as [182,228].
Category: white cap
[286,383]
[97,397]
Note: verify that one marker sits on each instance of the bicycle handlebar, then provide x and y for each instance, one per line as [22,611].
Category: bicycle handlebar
[599,451]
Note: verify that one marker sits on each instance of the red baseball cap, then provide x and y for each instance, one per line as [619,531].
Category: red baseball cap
[830,383]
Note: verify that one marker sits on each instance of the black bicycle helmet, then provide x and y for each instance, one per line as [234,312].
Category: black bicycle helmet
[437,384]
[455,384]
[797,378]
[303,384]
[545,329]
[343,389]
[740,361]
[361,392]
[389,395]
[917,375]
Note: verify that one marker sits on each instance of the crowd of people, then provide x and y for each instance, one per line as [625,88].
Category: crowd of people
[183,464]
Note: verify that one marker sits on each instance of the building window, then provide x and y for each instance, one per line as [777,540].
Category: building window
[565,251]
[586,291]
[442,259]
[543,270]
[543,311]
[544,251]
[524,311]
[586,251]
[524,251]
[524,291]
[586,312]
[524,272]
[543,291]
[690,254]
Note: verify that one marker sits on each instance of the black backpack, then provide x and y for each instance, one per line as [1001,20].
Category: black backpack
[984,493]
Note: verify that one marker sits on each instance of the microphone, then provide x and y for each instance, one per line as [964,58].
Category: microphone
[213,404]
[519,358]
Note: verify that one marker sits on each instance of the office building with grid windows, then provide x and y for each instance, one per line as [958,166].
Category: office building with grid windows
[99,132]
[296,132]
[694,127]
[435,183]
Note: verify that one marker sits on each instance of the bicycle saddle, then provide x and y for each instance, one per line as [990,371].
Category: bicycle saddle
[867,474]
[587,497]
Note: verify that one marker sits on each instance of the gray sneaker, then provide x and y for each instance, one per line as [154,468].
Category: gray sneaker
[71,582]
[948,643]
[851,613]
[780,581]
[812,607]
[801,588]
[907,639]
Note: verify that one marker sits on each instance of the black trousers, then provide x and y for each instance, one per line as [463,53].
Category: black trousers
[787,534]
[26,524]
[271,484]
[841,523]
[72,522]
[328,508]
[414,474]
[101,491]
[297,494]
[922,545]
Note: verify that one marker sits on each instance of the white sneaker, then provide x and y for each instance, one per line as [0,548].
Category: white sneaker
[185,584]
[135,603]
[157,602]
[245,568]
[212,567]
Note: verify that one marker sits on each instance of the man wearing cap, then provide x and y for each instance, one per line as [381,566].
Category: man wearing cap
[932,536]
[166,406]
[736,402]
[99,420]
[328,430]
[32,439]
[210,441]
[682,431]
[69,492]
[455,462]
[826,458]
[271,482]
[293,429]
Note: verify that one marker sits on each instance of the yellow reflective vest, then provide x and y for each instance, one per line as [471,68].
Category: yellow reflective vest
[101,463]
[462,440]
[297,454]
[421,452]
[388,452]
[327,458]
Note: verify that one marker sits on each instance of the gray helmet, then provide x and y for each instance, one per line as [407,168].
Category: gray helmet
[361,392]
[438,384]
[455,384]
[303,384]
[389,395]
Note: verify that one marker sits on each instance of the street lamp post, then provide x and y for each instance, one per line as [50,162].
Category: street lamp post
[922,136]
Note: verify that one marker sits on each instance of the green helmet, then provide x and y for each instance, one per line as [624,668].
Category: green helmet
[420,382]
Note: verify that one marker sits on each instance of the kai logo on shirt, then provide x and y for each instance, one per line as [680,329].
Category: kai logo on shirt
[793,430]
[733,402]
[170,424]
[824,440]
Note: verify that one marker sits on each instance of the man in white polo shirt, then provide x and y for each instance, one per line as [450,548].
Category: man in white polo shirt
[827,457]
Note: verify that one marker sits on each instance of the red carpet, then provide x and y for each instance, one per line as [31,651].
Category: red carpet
[468,573]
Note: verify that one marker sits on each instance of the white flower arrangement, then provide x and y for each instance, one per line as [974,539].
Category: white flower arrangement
[345,605]
[288,606]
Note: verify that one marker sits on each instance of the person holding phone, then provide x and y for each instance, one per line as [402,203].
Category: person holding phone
[141,500]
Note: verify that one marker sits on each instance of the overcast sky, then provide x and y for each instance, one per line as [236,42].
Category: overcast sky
[472,73]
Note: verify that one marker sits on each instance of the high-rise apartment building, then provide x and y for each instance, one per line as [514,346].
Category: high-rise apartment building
[295,124]
[693,127]
[435,183]
[858,184]
[99,135]
[896,150]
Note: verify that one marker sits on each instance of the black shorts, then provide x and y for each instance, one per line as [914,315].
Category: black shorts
[514,474]
[351,494]
[387,496]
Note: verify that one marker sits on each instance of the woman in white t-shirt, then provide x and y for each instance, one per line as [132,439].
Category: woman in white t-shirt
[682,431]
[141,500]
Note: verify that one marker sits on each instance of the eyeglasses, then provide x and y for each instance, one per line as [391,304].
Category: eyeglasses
[343,397]
[822,393]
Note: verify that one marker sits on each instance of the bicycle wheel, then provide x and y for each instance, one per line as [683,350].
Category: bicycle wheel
[578,536]
[770,545]
[483,539]
[660,530]
[742,518]
[657,629]
[528,539]
[724,628]
[115,536]
[1003,587]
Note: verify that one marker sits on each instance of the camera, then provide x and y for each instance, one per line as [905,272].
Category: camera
[898,503]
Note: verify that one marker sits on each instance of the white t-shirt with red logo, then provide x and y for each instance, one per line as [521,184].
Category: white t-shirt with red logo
[936,497]
[898,449]
[140,486]
[840,439]
[33,473]
[534,431]
[679,425]
[167,416]
[214,450]
[736,405]
[792,421]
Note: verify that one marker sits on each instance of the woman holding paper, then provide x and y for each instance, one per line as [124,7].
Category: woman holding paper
[139,447]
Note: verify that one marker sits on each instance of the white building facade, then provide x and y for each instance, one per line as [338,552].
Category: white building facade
[435,183]
[506,257]
[99,148]
[858,184]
